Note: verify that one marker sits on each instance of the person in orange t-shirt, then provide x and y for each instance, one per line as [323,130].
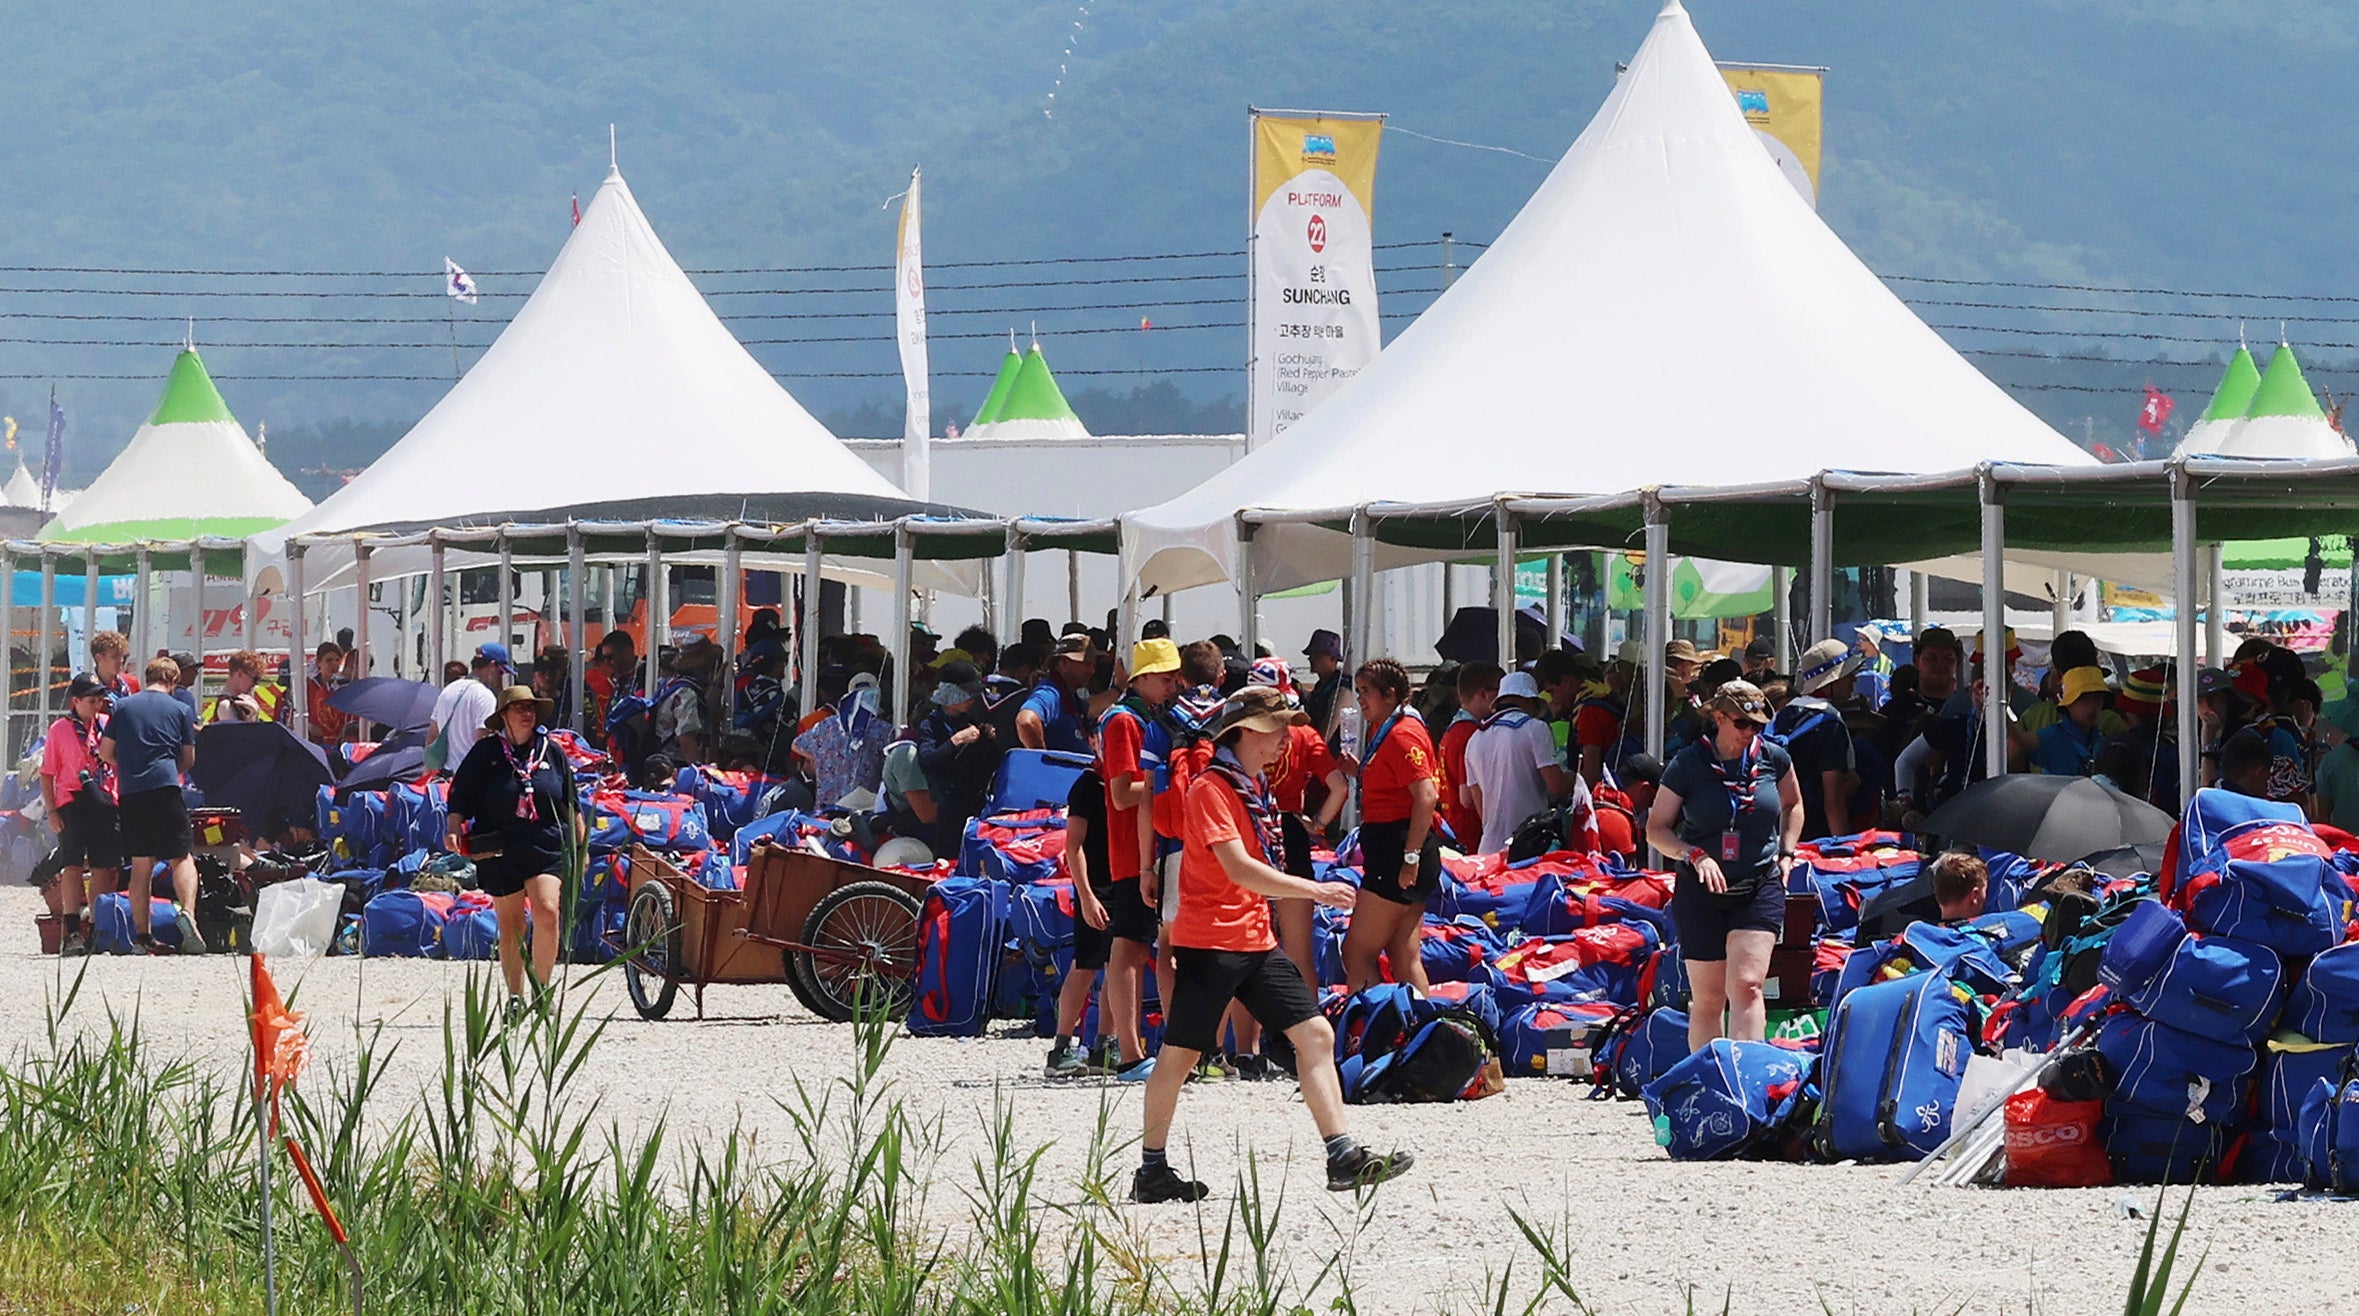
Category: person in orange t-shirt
[1478,687]
[1400,851]
[1229,871]
[1302,759]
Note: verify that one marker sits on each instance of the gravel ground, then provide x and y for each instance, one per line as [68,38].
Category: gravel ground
[1646,1232]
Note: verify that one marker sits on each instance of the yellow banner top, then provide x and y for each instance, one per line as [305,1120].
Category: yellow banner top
[1785,106]
[1284,148]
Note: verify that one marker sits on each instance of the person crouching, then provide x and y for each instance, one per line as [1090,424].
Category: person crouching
[1231,865]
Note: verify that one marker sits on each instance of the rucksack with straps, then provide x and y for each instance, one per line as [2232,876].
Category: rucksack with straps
[1407,1048]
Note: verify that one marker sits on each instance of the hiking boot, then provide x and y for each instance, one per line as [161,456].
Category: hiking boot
[1161,1183]
[192,942]
[1137,1071]
[72,943]
[1361,1168]
[1067,1062]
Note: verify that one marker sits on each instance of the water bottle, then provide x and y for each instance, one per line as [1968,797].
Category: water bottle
[1347,732]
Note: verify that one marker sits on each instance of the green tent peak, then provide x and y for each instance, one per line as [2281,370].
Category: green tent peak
[997,397]
[2235,392]
[1034,395]
[2283,391]
[189,394]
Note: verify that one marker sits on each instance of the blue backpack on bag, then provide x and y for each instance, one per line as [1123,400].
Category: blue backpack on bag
[2293,904]
[962,932]
[2216,987]
[2329,1133]
[1727,1099]
[1894,1054]
[2165,1071]
[2324,1005]
[1958,953]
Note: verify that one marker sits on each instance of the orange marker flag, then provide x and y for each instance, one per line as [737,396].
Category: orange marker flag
[279,1043]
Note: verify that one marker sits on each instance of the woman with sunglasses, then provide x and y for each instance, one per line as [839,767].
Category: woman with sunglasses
[1729,811]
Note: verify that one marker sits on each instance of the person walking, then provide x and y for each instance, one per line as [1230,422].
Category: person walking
[511,804]
[80,793]
[1729,809]
[462,707]
[1302,761]
[1400,850]
[149,742]
[1231,867]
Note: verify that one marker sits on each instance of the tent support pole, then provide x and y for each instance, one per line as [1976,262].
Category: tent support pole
[1997,679]
[1126,611]
[1013,604]
[89,603]
[2183,551]
[403,650]
[1658,623]
[1555,602]
[653,596]
[2060,607]
[250,627]
[1248,598]
[45,665]
[8,653]
[577,630]
[1920,587]
[507,592]
[194,681]
[1449,594]
[360,620]
[1072,584]
[1362,635]
[608,618]
[807,628]
[297,686]
[437,642]
[1781,589]
[904,552]
[2215,613]
[1503,586]
[725,597]
[1822,560]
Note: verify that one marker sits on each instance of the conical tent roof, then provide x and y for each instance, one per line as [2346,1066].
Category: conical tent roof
[2228,404]
[2284,418]
[1664,310]
[22,490]
[191,471]
[1033,406]
[614,393]
[1009,366]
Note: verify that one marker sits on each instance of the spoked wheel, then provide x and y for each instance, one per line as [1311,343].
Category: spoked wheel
[859,938]
[651,931]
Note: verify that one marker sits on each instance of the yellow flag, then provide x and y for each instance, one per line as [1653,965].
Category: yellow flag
[1784,106]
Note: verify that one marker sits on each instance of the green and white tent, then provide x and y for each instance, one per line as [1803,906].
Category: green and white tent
[1029,403]
[2228,405]
[190,471]
[1009,366]
[2284,418]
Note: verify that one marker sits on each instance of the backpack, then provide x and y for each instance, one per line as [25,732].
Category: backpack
[1638,1052]
[1894,1055]
[1726,1100]
[2166,1071]
[730,799]
[1411,1049]
[2290,902]
[962,929]
[2324,1005]
[1040,932]
[1960,954]
[2161,1149]
[471,931]
[1021,848]
[417,816]
[1557,1040]
[2328,1132]
[2215,987]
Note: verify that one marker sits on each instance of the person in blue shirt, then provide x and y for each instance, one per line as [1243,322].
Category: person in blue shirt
[2067,747]
[1051,716]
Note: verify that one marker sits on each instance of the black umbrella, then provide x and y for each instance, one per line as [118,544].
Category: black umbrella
[387,701]
[400,758]
[2126,860]
[260,769]
[1472,635]
[2051,818]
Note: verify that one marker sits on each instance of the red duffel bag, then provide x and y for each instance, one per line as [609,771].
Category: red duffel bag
[2054,1144]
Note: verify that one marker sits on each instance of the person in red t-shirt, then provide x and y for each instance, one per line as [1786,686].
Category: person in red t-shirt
[1134,750]
[1400,850]
[1478,687]
[1302,759]
[1620,808]
[1221,939]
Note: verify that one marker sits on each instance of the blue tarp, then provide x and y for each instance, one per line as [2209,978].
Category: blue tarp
[113,591]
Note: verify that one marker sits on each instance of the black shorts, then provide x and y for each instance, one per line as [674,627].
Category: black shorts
[523,854]
[1264,981]
[93,832]
[1091,945]
[1704,919]
[1382,846]
[155,824]
[1297,835]
[1128,916]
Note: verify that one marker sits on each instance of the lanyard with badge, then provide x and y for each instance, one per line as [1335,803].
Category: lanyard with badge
[1740,799]
[1376,742]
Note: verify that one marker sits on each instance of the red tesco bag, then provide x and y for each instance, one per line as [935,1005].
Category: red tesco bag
[2054,1144]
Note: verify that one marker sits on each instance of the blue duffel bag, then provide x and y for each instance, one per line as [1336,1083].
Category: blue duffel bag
[1967,956]
[2293,904]
[2329,1133]
[1894,1054]
[2324,1005]
[2216,987]
[2166,1071]
[2161,1149]
[962,933]
[1727,1099]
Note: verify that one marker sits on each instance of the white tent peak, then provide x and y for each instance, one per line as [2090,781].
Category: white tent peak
[22,490]
[1665,310]
[616,393]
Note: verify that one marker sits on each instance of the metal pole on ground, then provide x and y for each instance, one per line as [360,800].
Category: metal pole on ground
[437,640]
[1822,560]
[1363,594]
[1126,610]
[1503,585]
[1013,604]
[657,600]
[2215,613]
[725,608]
[142,624]
[2183,553]
[1658,623]
[577,595]
[897,644]
[360,620]
[297,688]
[807,630]
[1996,677]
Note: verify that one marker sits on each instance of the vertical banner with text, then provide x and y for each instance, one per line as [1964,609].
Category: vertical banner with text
[1784,104]
[909,324]
[1312,263]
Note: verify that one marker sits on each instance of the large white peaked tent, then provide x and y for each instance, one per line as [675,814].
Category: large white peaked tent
[1665,310]
[615,393]
[191,471]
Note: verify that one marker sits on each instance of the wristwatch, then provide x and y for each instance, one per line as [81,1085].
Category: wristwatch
[1410,859]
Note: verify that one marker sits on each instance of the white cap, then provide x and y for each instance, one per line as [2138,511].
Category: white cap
[1518,685]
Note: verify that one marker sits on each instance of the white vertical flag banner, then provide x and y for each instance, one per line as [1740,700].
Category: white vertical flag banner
[1312,263]
[909,320]
[457,282]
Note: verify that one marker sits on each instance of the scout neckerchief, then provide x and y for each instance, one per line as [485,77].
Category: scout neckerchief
[528,808]
[1254,792]
[1376,742]
[100,773]
[1740,797]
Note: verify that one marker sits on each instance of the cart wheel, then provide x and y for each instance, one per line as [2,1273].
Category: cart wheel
[651,931]
[792,962]
[861,936]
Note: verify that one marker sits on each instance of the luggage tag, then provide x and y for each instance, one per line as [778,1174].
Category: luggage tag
[1731,847]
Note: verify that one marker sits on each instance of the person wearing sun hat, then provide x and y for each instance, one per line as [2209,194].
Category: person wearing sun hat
[1815,736]
[2148,756]
[2068,746]
[511,805]
[1873,681]
[1231,868]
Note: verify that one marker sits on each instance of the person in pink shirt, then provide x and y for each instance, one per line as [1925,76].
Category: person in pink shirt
[79,791]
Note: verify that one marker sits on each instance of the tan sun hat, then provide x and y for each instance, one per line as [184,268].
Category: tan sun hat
[1744,701]
[512,696]
[1257,708]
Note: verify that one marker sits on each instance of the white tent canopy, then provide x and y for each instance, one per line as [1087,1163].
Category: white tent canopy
[1665,310]
[614,393]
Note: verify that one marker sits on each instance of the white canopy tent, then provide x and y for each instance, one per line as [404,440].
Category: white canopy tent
[1664,310]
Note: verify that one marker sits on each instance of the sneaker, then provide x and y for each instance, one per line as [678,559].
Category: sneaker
[1161,1183]
[192,942]
[1361,1168]
[145,943]
[515,1012]
[1137,1071]
[1067,1062]
[72,943]
[1210,1070]
[1251,1069]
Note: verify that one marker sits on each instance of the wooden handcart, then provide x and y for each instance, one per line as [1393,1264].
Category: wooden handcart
[830,930]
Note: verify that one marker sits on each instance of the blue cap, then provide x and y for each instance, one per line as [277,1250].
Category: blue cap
[494,653]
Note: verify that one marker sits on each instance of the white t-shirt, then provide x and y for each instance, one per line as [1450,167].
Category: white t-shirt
[460,710]
[1504,760]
